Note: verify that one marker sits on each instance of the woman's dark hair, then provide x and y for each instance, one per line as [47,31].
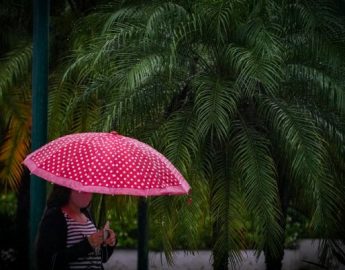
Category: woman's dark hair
[58,197]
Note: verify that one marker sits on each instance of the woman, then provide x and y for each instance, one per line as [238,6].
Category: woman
[67,237]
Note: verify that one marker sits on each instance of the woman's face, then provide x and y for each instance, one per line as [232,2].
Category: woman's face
[80,199]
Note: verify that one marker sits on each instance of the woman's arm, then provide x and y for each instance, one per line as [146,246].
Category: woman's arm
[51,249]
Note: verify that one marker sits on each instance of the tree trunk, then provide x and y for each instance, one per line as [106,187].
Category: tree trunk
[275,262]
[220,256]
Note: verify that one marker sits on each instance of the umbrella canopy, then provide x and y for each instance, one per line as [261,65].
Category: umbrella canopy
[106,163]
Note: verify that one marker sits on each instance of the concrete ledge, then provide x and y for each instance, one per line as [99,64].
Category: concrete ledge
[296,259]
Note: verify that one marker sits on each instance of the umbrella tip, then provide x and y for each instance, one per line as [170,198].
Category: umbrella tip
[114,132]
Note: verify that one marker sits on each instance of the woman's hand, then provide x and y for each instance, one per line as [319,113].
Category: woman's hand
[96,239]
[111,240]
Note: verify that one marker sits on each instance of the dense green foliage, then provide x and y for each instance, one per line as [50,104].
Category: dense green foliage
[246,98]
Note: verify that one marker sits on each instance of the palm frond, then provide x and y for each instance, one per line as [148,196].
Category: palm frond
[226,207]
[328,89]
[220,18]
[215,104]
[14,149]
[306,153]
[14,66]
[180,140]
[143,70]
[332,252]
[253,160]
[169,212]
[163,18]
[125,14]
[332,128]
[59,99]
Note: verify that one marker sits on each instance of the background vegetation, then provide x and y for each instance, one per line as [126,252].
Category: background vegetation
[246,98]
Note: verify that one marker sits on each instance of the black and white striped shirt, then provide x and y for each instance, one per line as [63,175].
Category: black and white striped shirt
[76,232]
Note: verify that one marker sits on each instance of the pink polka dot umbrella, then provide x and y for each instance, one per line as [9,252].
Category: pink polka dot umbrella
[106,163]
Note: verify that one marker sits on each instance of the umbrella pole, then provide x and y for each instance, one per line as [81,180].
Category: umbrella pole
[142,234]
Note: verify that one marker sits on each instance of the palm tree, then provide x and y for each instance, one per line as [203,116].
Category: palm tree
[240,99]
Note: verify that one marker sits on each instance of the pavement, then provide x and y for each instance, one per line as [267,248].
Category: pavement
[302,258]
